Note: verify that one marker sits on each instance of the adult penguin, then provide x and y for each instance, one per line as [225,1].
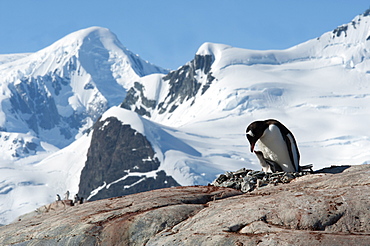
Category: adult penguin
[275,142]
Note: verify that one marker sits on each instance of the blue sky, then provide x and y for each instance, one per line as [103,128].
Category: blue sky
[169,32]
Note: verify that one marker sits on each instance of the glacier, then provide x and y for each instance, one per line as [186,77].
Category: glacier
[194,117]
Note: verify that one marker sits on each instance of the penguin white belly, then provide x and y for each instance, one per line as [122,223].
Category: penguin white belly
[274,148]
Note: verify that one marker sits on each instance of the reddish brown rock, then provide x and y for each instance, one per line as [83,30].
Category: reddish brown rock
[129,220]
[331,208]
[318,209]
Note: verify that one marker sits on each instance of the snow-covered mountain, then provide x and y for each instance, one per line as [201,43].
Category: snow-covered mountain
[318,89]
[48,99]
[190,122]
[57,93]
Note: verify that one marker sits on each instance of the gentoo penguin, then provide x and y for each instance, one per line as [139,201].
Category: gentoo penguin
[66,195]
[268,166]
[275,142]
[76,199]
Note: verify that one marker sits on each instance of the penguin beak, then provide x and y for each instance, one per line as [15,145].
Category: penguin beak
[252,147]
[251,142]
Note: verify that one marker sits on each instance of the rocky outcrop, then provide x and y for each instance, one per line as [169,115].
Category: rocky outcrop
[330,207]
[133,95]
[184,84]
[247,180]
[28,97]
[130,220]
[186,81]
[116,152]
[319,209]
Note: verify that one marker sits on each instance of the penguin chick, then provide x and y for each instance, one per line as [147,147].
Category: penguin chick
[268,166]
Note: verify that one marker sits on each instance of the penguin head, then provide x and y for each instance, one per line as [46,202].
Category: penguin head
[254,131]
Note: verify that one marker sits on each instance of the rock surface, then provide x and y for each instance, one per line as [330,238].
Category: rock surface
[183,84]
[247,180]
[327,208]
[114,152]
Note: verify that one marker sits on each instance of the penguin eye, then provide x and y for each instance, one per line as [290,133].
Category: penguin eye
[250,133]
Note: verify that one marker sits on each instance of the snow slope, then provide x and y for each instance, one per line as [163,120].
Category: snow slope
[31,182]
[195,117]
[50,98]
[57,93]
[318,89]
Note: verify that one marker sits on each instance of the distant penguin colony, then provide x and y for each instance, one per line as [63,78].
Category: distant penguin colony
[66,195]
[278,150]
[77,199]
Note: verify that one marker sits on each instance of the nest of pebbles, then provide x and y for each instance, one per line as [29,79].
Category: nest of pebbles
[247,180]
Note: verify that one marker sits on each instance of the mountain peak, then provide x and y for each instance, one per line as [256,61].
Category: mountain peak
[89,33]
[76,78]
[98,41]
[211,49]
[102,31]
[356,31]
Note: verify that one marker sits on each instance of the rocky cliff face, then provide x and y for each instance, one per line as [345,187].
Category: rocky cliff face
[183,84]
[118,161]
[186,82]
[30,97]
[330,207]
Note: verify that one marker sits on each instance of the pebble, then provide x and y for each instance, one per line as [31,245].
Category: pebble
[247,180]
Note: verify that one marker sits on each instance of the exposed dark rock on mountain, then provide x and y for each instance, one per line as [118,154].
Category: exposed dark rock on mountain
[327,208]
[184,85]
[28,97]
[133,95]
[115,151]
[342,29]
[32,102]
